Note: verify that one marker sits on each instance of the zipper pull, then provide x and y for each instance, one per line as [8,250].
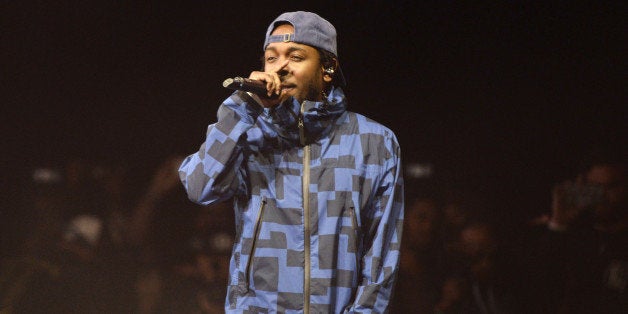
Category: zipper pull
[301,131]
[301,125]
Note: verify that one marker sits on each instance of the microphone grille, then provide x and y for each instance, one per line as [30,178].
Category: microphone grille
[227,83]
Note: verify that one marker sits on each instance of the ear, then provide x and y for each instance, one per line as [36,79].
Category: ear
[329,69]
[328,74]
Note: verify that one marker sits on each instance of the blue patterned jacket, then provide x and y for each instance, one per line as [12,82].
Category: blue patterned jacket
[336,250]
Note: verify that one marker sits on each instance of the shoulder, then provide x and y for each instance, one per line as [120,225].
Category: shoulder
[378,143]
[368,127]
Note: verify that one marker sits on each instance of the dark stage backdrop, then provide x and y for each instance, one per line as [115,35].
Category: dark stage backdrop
[503,97]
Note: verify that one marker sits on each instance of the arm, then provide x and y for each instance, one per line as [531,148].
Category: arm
[164,181]
[559,253]
[381,260]
[214,173]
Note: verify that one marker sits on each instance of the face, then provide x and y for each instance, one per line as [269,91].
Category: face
[302,77]
[477,241]
[420,221]
[612,179]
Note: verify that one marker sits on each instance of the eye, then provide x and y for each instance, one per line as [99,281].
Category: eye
[296,58]
[270,58]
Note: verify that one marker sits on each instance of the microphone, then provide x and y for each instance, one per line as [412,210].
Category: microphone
[248,85]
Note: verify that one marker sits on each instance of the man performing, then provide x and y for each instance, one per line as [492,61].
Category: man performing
[317,190]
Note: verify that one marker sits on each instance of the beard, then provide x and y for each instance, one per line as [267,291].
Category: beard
[311,90]
[314,93]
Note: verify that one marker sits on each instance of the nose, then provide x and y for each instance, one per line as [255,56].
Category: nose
[282,72]
[284,69]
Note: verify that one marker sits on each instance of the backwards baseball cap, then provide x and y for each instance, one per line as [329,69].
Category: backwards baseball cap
[309,29]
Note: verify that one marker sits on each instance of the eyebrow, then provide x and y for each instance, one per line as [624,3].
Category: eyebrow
[290,49]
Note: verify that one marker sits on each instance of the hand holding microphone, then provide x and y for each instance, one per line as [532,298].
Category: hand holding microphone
[267,85]
[249,85]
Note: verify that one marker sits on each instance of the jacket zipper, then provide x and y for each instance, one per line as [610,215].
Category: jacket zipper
[256,232]
[306,213]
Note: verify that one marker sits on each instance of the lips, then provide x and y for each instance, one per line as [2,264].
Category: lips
[287,87]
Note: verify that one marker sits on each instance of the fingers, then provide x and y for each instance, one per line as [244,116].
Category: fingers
[271,78]
[277,80]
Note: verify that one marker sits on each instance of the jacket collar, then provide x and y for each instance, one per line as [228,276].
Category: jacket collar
[318,116]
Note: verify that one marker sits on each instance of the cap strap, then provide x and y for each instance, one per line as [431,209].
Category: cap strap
[281,38]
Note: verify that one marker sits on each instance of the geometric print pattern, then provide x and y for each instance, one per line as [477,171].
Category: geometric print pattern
[253,156]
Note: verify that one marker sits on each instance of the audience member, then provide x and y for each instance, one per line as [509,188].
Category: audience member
[579,259]
[196,284]
[421,258]
[454,295]
[79,277]
[490,272]
[31,262]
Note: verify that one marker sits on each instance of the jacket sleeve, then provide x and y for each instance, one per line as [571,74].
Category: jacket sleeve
[382,240]
[213,173]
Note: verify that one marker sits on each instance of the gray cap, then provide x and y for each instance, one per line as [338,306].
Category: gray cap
[309,29]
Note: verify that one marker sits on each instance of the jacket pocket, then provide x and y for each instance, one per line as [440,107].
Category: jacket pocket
[256,231]
[357,236]
[357,241]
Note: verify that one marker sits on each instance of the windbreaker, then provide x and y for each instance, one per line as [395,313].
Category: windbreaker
[336,250]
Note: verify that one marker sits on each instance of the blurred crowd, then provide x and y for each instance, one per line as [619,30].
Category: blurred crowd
[460,254]
[105,238]
[93,237]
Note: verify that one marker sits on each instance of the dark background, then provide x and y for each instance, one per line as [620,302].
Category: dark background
[503,98]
